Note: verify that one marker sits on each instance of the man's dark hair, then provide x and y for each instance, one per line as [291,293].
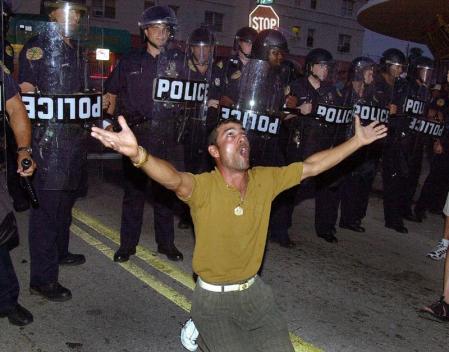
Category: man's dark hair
[212,139]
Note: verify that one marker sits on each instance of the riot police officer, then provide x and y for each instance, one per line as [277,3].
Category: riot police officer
[314,130]
[154,122]
[200,69]
[52,68]
[262,89]
[420,76]
[232,70]
[370,104]
[18,194]
[9,285]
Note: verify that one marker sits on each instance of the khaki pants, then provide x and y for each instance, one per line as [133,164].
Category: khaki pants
[240,321]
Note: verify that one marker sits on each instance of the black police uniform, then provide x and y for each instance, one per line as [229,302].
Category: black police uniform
[132,82]
[196,156]
[60,151]
[20,198]
[402,157]
[362,166]
[9,285]
[436,186]
[308,135]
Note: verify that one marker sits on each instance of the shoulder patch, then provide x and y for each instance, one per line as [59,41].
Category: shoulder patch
[440,102]
[236,75]
[9,50]
[34,53]
[5,69]
[220,64]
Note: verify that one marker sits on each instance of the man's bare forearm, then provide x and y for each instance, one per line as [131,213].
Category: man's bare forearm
[326,159]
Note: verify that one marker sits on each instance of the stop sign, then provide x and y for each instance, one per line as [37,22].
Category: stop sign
[263,17]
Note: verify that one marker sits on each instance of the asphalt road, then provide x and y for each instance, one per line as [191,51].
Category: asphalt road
[362,294]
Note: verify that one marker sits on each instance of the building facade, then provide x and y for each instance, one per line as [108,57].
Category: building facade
[307,24]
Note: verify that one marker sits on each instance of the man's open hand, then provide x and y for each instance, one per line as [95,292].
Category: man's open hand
[123,142]
[368,134]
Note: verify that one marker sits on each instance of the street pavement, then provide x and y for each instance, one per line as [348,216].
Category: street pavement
[362,294]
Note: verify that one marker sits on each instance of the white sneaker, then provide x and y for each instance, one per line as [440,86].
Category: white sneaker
[189,334]
[439,252]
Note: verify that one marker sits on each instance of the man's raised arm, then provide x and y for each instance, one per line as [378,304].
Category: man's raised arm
[326,159]
[159,170]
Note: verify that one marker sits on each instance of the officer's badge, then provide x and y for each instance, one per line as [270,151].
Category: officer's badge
[171,69]
[220,64]
[9,50]
[217,82]
[35,53]
[375,99]
[5,69]
[191,66]
[236,75]
[440,102]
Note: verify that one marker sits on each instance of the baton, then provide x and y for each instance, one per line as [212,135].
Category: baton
[26,163]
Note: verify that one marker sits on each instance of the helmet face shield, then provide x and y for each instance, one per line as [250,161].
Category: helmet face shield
[425,74]
[70,20]
[395,69]
[201,53]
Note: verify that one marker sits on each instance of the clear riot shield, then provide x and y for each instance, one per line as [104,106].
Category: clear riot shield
[191,127]
[172,92]
[260,99]
[59,97]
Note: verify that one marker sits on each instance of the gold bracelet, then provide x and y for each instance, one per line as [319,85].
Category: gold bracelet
[143,157]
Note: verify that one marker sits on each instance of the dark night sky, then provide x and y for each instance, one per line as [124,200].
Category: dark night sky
[374,44]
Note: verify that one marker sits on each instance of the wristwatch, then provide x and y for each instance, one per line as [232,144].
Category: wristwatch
[27,149]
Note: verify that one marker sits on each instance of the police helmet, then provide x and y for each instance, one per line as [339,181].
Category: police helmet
[202,36]
[266,40]
[392,56]
[158,15]
[7,9]
[358,66]
[246,34]
[318,56]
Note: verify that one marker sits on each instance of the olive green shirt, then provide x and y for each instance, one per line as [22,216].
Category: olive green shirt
[229,247]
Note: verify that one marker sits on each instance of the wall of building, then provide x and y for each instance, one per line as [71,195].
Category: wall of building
[327,20]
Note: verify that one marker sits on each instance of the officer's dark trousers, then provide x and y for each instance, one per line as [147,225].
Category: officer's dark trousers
[356,187]
[416,150]
[159,139]
[327,200]
[135,195]
[265,151]
[9,286]
[49,230]
[395,171]
[436,185]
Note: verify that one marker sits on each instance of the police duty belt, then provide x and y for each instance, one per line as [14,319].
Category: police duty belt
[335,114]
[63,108]
[426,127]
[175,90]
[252,120]
[370,113]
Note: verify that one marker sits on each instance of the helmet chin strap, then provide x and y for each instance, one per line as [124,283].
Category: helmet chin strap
[245,55]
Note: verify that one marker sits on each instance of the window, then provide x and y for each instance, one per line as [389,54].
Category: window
[313,4]
[347,8]
[103,8]
[214,20]
[344,43]
[310,37]
[147,4]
